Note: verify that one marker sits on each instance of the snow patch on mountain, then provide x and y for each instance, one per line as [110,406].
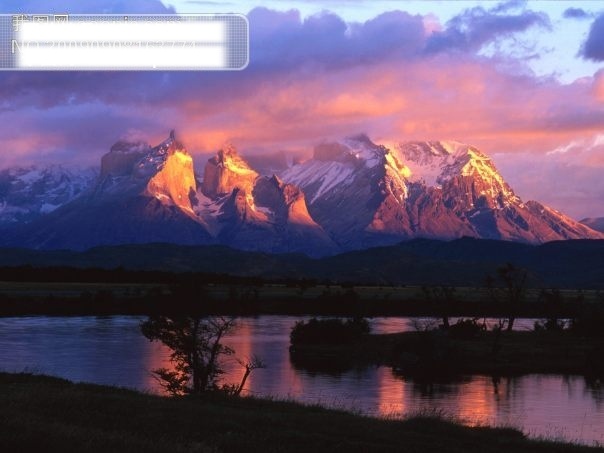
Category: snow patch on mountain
[325,175]
[26,193]
[336,165]
[352,194]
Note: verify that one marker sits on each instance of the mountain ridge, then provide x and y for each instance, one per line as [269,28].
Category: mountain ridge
[439,190]
[350,195]
[595,223]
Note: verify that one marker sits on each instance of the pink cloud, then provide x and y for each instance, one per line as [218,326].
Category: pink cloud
[598,85]
[315,79]
[442,97]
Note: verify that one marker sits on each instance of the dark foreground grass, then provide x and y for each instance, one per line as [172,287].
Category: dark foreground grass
[41,414]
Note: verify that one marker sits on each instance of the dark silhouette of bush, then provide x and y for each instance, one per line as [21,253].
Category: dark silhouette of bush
[443,299]
[466,329]
[594,363]
[329,331]
[553,302]
[426,354]
[549,325]
[589,322]
[508,290]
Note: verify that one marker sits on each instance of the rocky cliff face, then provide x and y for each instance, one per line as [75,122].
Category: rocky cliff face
[142,195]
[477,200]
[439,190]
[225,172]
[356,190]
[352,194]
[174,182]
[255,212]
[122,157]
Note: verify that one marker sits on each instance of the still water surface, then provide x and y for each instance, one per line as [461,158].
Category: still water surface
[111,350]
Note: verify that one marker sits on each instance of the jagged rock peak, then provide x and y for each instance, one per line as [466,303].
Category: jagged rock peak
[136,156]
[122,157]
[353,149]
[172,177]
[226,171]
[331,151]
[276,180]
[170,145]
[228,156]
[126,146]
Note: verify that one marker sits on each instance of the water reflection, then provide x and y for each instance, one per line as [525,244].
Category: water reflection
[110,350]
[392,395]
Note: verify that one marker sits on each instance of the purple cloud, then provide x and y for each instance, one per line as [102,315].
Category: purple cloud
[576,13]
[509,5]
[593,49]
[474,27]
[283,39]
[281,42]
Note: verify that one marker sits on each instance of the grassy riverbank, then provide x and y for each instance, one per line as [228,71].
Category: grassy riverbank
[39,413]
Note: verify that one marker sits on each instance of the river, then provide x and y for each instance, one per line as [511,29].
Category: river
[110,350]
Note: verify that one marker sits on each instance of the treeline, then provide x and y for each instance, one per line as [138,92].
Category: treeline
[122,291]
[65,274]
[198,298]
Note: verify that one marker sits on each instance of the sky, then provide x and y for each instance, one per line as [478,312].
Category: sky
[522,81]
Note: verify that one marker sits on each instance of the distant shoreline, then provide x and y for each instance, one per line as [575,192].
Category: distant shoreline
[249,297]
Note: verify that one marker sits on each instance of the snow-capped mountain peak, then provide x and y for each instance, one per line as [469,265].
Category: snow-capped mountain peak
[364,150]
[436,163]
[351,194]
[26,193]
[441,189]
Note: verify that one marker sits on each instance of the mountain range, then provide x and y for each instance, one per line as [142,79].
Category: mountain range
[352,194]
[595,223]
[26,193]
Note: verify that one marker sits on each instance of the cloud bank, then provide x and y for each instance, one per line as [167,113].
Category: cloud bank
[396,77]
[593,49]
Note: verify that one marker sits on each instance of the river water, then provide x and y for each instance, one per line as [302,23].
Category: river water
[111,350]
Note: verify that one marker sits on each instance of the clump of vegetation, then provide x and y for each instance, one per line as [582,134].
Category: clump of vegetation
[424,353]
[508,289]
[197,349]
[589,322]
[443,298]
[550,325]
[553,302]
[329,331]
[466,329]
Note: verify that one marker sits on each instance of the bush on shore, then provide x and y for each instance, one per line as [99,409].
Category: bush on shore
[329,331]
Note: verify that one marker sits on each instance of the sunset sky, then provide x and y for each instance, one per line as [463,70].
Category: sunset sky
[523,81]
